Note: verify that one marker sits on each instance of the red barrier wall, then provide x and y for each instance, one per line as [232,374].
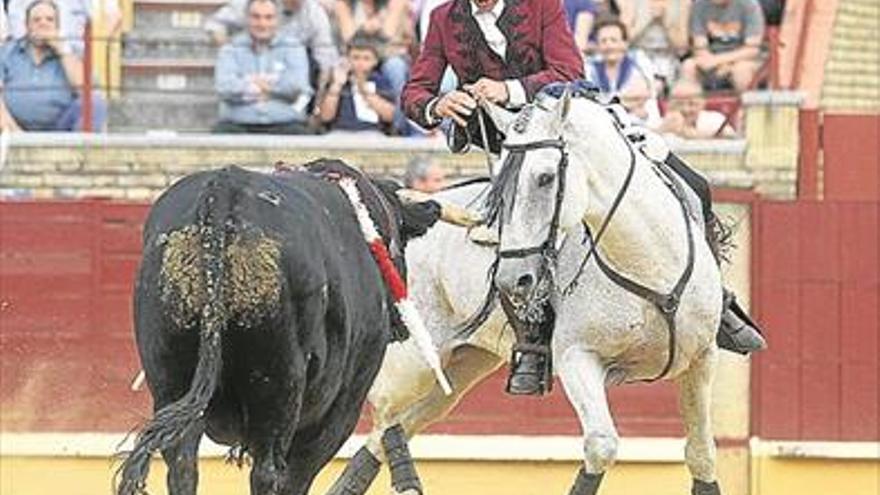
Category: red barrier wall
[67,355]
[818,293]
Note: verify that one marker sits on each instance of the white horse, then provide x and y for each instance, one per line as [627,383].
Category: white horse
[604,333]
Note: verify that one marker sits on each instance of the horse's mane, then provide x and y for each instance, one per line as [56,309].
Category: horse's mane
[502,194]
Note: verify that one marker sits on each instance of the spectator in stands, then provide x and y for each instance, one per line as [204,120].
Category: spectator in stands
[616,72]
[659,29]
[727,36]
[262,78]
[305,20]
[391,20]
[422,174]
[359,98]
[4,26]
[687,116]
[580,15]
[73,17]
[42,78]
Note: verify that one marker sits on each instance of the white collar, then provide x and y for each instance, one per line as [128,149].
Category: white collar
[496,10]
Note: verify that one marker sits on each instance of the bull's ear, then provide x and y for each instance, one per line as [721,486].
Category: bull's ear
[501,117]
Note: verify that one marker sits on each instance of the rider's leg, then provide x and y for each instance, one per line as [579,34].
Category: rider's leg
[531,361]
[738,333]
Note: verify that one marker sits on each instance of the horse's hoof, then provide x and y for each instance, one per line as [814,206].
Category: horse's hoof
[704,488]
[411,491]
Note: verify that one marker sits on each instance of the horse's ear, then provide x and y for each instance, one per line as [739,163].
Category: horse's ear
[564,105]
[502,117]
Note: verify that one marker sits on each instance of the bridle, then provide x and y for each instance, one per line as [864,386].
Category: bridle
[666,303]
[548,249]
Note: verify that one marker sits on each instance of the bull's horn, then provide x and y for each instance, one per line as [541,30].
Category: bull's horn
[449,212]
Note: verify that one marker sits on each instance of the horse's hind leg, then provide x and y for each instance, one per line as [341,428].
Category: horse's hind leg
[695,390]
[181,459]
[583,377]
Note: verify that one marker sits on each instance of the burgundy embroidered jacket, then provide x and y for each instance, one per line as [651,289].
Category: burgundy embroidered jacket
[540,50]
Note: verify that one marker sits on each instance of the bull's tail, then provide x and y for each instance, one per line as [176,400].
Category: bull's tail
[173,422]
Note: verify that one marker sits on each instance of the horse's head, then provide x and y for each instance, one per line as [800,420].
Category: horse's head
[542,191]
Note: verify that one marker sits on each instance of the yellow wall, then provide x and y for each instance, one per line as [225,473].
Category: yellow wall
[88,476]
[783,476]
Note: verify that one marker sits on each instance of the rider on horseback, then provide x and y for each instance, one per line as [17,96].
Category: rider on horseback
[480,40]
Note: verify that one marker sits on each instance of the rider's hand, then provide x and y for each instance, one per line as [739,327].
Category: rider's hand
[490,90]
[456,105]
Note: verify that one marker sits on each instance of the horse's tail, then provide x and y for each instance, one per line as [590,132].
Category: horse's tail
[172,422]
[720,237]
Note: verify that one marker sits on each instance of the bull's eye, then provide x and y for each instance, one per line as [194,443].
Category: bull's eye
[546,179]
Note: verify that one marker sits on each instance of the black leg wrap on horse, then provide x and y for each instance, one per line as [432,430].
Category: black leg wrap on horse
[400,463]
[704,488]
[586,483]
[358,475]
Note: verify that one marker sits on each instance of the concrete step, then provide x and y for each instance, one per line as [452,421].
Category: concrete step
[173,14]
[168,78]
[856,44]
[861,10]
[144,112]
[169,44]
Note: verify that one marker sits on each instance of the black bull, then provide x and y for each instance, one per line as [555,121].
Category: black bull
[261,319]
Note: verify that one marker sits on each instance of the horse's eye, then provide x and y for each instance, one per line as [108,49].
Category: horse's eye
[546,179]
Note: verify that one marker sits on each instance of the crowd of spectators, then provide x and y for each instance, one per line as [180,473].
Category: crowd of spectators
[279,67]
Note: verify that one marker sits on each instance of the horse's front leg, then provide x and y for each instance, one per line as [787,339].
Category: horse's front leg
[466,367]
[583,377]
[695,390]
[406,400]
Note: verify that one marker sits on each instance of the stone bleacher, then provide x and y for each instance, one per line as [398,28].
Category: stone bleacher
[167,68]
[852,73]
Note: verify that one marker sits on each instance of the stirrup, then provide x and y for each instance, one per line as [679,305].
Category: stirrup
[530,370]
[737,332]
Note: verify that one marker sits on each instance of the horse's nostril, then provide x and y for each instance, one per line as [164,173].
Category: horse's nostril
[525,281]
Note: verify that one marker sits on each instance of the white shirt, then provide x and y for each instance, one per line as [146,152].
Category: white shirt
[488,24]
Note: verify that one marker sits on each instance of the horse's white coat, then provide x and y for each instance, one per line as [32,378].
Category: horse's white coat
[604,335]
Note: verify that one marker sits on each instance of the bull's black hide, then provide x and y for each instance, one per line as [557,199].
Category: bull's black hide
[262,319]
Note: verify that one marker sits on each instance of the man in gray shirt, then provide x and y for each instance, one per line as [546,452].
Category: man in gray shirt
[262,77]
[727,38]
[305,20]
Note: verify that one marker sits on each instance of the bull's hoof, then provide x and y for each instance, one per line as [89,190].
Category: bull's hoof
[705,488]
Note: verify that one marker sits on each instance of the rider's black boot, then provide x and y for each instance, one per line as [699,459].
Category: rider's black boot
[738,333]
[529,373]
